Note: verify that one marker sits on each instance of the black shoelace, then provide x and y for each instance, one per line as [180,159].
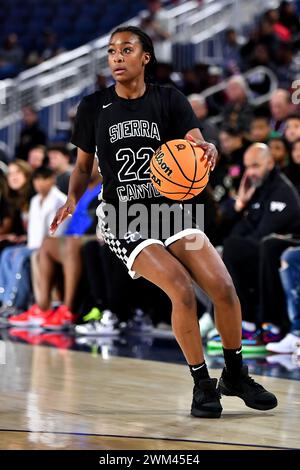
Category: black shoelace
[250,381]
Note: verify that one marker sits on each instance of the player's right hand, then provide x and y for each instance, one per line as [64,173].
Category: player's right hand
[63,212]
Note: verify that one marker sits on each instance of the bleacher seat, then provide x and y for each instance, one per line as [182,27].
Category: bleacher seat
[75,22]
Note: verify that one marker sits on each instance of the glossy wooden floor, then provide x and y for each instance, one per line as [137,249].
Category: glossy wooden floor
[60,399]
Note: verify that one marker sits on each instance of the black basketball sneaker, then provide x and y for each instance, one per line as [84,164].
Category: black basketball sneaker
[206,399]
[243,386]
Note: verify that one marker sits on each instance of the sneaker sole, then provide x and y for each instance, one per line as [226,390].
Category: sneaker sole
[205,414]
[224,391]
[290,351]
[218,346]
[58,328]
[96,334]
[27,324]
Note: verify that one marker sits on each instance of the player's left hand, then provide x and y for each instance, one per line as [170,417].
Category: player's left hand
[210,150]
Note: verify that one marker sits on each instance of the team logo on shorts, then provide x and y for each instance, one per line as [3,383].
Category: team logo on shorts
[132,236]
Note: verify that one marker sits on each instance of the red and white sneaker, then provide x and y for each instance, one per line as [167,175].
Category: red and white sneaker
[34,316]
[62,318]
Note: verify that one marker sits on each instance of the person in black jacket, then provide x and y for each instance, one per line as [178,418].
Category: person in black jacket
[267,203]
[273,303]
[31,134]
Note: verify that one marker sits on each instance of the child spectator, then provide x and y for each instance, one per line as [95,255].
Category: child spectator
[279,151]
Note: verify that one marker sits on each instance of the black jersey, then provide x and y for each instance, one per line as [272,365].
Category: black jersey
[125,133]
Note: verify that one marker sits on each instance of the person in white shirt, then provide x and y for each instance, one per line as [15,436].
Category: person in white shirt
[160,27]
[15,261]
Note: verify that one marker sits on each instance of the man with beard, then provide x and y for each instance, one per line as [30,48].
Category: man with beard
[267,203]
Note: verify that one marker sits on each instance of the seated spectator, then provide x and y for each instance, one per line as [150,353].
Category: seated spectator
[281,31]
[290,278]
[292,128]
[288,16]
[11,57]
[280,107]
[231,52]
[163,74]
[233,146]
[37,157]
[16,203]
[14,277]
[266,204]
[31,133]
[59,160]
[157,24]
[287,65]
[292,170]
[260,129]
[190,82]
[50,47]
[260,83]
[280,151]
[6,218]
[272,298]
[62,251]
[267,36]
[108,276]
[238,112]
[209,131]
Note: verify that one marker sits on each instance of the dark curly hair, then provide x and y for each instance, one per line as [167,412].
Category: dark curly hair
[147,46]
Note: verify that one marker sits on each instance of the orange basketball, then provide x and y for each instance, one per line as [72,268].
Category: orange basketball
[178,170]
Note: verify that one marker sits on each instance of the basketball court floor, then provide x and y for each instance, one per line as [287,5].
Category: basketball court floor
[59,392]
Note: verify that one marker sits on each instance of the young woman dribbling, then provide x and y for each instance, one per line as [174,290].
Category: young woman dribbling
[124,124]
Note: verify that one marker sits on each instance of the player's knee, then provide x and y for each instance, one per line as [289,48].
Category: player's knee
[225,292]
[184,292]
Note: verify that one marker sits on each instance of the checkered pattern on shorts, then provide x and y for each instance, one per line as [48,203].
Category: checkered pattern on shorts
[120,246]
[126,246]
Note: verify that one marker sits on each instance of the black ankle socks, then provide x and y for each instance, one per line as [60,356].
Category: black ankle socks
[233,360]
[199,372]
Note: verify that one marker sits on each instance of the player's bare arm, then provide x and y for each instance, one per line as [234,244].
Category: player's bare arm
[78,183]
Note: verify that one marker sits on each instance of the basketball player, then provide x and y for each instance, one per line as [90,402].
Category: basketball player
[125,124]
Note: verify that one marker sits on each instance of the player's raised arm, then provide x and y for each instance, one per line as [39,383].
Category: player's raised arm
[78,183]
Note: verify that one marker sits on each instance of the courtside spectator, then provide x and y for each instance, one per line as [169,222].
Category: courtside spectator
[280,107]
[209,131]
[31,133]
[292,170]
[59,160]
[62,251]
[266,203]
[14,265]
[37,156]
[292,128]
[279,149]
[238,113]
[11,57]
